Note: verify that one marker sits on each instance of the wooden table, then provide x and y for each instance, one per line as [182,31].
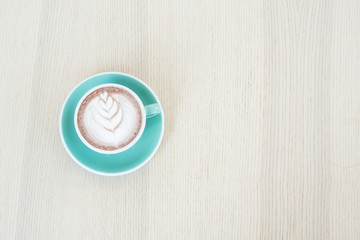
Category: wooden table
[262,109]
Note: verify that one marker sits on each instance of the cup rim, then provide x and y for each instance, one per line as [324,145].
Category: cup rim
[100,172]
[132,143]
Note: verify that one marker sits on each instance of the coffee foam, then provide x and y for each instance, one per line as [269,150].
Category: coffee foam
[109,118]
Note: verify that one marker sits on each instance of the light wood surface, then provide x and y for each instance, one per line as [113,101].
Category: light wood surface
[262,108]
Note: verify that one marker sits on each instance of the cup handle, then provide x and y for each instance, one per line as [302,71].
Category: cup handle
[152,110]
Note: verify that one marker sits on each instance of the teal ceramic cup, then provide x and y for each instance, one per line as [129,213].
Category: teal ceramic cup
[125,160]
[147,111]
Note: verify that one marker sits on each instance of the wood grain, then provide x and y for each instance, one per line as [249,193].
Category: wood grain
[262,108]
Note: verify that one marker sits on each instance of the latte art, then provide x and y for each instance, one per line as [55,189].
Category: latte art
[108,113]
[109,118]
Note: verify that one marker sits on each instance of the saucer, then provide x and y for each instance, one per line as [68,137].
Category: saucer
[119,163]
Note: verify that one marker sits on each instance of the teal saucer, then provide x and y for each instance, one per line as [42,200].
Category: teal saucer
[119,163]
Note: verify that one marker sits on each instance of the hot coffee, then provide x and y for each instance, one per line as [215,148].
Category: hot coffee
[109,118]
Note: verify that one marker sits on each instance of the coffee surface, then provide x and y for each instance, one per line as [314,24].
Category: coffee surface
[109,118]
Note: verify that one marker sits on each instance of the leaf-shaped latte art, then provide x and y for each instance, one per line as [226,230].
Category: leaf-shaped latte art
[109,113]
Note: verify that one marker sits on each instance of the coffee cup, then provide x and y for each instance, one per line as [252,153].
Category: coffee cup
[110,118]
